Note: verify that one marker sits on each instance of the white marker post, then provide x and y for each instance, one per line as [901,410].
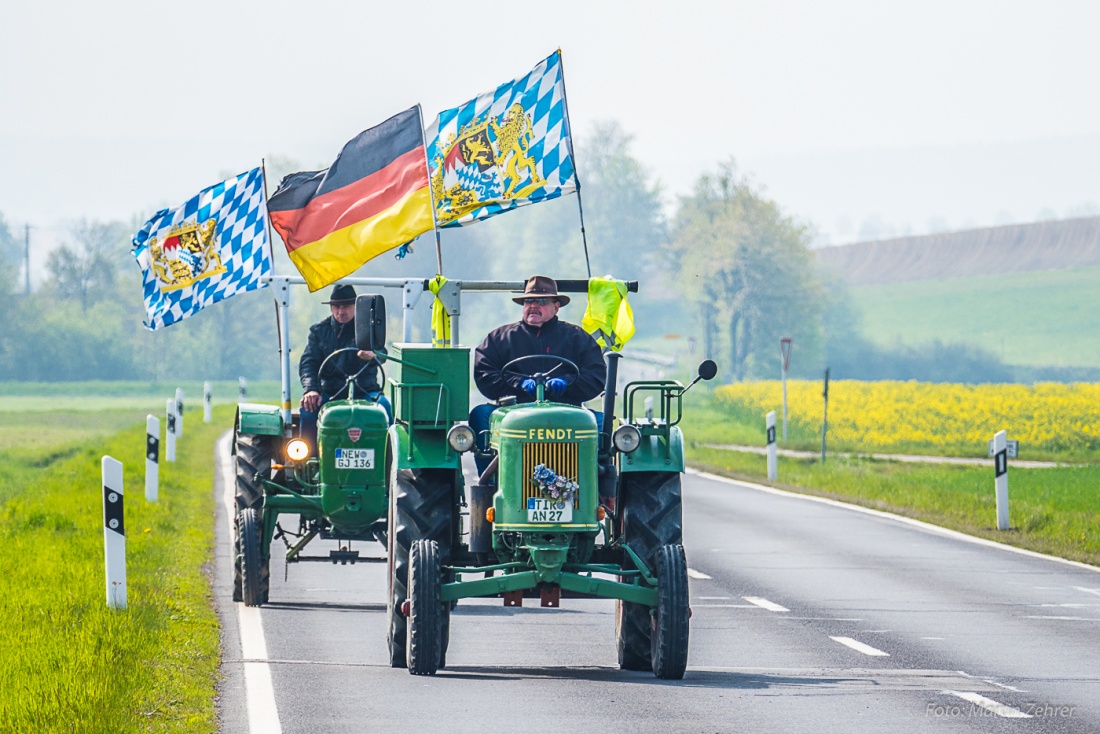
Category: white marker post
[1000,471]
[114,533]
[242,389]
[770,423]
[170,430]
[179,413]
[152,457]
[207,408]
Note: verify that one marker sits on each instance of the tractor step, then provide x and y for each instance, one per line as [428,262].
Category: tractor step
[342,557]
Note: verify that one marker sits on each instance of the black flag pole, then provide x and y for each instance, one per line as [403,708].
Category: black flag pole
[573,157]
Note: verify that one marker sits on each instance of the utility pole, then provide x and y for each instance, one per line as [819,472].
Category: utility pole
[27,256]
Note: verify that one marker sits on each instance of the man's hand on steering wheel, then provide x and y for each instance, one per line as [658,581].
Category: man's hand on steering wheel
[555,384]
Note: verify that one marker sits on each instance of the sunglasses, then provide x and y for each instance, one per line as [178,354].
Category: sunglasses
[539,301]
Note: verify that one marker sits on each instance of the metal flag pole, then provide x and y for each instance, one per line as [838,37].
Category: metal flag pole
[282,306]
[431,195]
[573,157]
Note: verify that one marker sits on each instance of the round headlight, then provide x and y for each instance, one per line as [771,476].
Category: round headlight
[626,438]
[461,438]
[297,450]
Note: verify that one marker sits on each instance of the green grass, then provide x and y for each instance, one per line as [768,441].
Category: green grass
[1045,318]
[71,664]
[1052,511]
[17,397]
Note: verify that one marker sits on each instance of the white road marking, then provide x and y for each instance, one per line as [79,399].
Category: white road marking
[724,606]
[992,682]
[712,597]
[860,647]
[771,606]
[263,715]
[936,529]
[931,638]
[989,704]
[1088,591]
[1065,619]
[692,573]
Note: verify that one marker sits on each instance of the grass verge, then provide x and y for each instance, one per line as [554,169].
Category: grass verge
[71,664]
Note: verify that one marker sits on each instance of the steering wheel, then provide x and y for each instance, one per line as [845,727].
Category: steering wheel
[571,373]
[348,377]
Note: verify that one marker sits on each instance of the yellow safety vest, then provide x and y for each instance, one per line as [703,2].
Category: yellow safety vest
[608,317]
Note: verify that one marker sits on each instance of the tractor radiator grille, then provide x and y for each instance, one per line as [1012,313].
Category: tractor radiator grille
[561,457]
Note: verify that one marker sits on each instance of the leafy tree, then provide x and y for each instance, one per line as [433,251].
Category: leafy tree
[748,271]
[86,270]
[11,254]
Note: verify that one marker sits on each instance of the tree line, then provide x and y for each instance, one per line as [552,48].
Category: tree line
[725,273]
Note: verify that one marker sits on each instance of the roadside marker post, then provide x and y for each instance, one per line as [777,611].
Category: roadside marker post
[170,430]
[114,533]
[242,389]
[179,412]
[769,421]
[207,407]
[152,457]
[1000,472]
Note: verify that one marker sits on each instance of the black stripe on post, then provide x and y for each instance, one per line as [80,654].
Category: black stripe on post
[112,511]
[152,448]
[171,428]
[771,434]
[1000,463]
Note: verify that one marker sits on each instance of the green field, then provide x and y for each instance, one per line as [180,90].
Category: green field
[1041,319]
[70,663]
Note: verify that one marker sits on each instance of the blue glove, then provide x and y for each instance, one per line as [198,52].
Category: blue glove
[528,386]
[555,386]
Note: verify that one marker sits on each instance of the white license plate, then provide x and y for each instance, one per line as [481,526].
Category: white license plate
[354,458]
[544,510]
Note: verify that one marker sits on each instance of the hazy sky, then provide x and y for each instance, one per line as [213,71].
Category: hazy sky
[918,115]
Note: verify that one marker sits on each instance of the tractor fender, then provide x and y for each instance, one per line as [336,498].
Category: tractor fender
[656,454]
[430,450]
[257,419]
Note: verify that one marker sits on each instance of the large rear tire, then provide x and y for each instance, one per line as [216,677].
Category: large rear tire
[671,619]
[421,508]
[652,517]
[426,611]
[255,574]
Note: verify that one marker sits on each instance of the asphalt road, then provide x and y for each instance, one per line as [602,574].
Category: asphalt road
[808,616]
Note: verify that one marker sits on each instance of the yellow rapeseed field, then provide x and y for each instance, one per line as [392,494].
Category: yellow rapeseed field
[894,415]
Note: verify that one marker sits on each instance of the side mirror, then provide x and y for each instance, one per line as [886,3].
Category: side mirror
[370,323]
[708,369]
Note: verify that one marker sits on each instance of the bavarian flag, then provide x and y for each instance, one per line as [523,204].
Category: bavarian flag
[373,198]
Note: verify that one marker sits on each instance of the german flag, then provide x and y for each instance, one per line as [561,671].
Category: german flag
[375,197]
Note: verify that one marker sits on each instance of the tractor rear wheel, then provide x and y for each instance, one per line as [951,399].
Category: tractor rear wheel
[421,508]
[255,575]
[255,455]
[651,517]
[671,619]
[426,611]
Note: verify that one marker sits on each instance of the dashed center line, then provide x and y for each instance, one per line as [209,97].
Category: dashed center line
[989,704]
[1087,590]
[771,606]
[860,647]
[692,573]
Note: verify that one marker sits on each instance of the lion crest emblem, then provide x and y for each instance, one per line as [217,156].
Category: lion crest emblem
[186,255]
[488,160]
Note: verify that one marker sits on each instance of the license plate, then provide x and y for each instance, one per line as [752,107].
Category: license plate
[354,458]
[543,510]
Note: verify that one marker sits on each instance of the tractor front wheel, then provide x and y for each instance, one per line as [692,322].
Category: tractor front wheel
[255,575]
[426,611]
[670,621]
[421,508]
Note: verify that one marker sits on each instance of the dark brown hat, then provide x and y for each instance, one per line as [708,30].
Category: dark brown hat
[540,286]
[341,295]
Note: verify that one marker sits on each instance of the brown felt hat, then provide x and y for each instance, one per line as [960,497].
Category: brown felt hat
[540,286]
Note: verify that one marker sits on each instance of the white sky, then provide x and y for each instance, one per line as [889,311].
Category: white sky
[922,114]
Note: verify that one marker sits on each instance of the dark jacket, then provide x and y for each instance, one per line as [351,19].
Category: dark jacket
[325,337]
[555,337]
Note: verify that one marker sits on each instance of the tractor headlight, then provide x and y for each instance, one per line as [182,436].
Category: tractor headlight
[626,438]
[297,450]
[461,438]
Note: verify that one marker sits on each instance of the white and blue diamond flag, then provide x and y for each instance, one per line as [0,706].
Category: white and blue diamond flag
[211,248]
[502,149]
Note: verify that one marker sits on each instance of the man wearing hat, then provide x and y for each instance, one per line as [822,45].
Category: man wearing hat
[325,337]
[539,331]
